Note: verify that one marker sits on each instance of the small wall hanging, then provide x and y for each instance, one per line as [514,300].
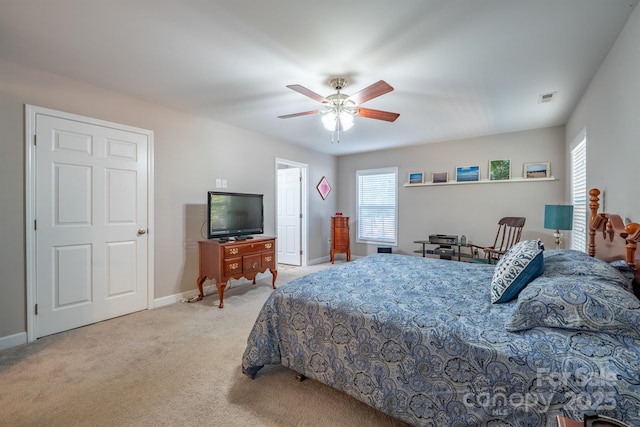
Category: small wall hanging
[323,188]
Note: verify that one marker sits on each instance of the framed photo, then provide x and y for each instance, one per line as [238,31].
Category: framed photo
[439,177]
[416,177]
[323,188]
[499,169]
[536,170]
[467,173]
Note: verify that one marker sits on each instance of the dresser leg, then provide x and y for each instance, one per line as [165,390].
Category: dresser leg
[199,282]
[348,255]
[274,273]
[332,252]
[221,286]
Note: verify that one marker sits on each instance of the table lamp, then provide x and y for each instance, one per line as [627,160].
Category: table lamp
[558,217]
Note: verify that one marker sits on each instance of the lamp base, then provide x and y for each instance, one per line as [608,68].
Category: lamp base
[557,235]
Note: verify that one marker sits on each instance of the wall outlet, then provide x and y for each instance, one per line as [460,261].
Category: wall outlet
[224,183]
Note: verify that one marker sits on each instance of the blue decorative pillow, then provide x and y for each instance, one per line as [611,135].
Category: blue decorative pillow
[567,262]
[577,303]
[522,263]
[625,270]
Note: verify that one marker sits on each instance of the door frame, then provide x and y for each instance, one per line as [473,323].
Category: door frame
[304,226]
[31,111]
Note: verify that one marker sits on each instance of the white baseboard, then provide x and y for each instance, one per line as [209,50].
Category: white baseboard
[328,259]
[172,299]
[319,260]
[13,340]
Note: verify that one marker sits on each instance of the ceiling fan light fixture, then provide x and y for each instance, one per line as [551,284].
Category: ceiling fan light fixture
[329,121]
[340,109]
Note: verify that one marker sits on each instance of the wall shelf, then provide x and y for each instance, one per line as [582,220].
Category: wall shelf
[482,181]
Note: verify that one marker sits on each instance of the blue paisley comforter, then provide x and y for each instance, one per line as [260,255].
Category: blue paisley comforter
[419,339]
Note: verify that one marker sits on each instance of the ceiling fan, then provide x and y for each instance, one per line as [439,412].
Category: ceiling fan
[339,108]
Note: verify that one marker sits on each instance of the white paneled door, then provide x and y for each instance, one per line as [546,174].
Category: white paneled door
[289,218]
[91,222]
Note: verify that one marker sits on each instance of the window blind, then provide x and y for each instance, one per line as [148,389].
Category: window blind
[579,194]
[377,205]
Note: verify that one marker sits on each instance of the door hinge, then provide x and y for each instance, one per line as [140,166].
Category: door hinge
[36,309]
[300,216]
[35,224]
[35,139]
[300,251]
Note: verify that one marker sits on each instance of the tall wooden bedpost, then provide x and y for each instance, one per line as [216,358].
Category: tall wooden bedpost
[632,238]
[594,221]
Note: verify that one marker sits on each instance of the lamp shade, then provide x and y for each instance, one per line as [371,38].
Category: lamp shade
[558,217]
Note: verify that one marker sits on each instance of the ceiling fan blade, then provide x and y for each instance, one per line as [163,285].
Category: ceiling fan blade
[304,113]
[370,92]
[307,92]
[377,114]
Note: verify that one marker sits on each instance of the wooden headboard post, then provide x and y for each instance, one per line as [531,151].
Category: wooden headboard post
[595,220]
[612,225]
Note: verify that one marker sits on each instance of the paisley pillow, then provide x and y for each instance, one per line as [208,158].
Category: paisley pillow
[517,267]
[567,262]
[577,303]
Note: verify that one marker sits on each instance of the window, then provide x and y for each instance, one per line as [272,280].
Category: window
[377,206]
[579,192]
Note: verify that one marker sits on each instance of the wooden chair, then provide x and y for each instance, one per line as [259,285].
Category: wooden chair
[509,232]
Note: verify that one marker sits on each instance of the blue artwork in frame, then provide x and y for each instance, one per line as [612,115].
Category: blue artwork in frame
[467,173]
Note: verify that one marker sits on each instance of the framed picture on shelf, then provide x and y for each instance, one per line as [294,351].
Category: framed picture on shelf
[439,177]
[536,170]
[416,178]
[467,173]
[499,169]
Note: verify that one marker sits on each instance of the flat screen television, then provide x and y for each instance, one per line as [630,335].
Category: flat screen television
[234,215]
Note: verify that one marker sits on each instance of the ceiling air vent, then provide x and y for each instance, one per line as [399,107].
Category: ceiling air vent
[547,97]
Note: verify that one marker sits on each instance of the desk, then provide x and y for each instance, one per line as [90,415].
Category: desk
[447,256]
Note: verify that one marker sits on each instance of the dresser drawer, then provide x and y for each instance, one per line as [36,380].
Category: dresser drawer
[247,248]
[251,263]
[269,260]
[340,222]
[232,266]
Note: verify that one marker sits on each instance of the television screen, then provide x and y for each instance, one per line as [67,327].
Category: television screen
[234,214]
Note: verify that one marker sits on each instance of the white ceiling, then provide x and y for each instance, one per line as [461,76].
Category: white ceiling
[460,68]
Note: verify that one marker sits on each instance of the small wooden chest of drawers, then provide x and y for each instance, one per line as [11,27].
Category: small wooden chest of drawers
[232,260]
[340,242]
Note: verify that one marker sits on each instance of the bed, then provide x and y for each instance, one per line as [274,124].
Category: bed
[422,340]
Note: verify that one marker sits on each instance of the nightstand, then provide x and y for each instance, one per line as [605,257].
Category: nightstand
[568,422]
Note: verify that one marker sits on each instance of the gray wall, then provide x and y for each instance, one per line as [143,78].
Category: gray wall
[190,153]
[469,209]
[610,112]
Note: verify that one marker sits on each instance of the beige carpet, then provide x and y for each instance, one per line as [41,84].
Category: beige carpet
[177,365]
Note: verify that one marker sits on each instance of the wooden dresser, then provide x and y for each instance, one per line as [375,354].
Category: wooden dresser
[235,259]
[340,236]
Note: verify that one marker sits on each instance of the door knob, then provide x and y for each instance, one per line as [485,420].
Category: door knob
[141,231]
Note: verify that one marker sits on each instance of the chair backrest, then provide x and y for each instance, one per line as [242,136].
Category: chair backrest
[509,232]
